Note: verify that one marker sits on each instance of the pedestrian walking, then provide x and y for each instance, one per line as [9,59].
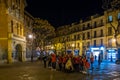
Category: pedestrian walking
[84,63]
[60,62]
[81,63]
[69,65]
[53,55]
[99,60]
[87,66]
[32,57]
[91,61]
[49,61]
[44,58]
[64,62]
[95,57]
[76,63]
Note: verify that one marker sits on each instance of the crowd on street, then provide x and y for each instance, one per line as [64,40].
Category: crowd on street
[68,62]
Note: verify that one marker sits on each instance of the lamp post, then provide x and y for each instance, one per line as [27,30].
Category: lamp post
[30,36]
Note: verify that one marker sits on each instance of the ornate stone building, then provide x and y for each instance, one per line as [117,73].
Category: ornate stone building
[16,27]
[12,38]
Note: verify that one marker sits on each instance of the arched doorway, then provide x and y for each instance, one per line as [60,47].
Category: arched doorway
[18,54]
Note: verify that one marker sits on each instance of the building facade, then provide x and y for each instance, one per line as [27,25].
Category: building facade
[92,35]
[12,38]
[17,41]
[28,23]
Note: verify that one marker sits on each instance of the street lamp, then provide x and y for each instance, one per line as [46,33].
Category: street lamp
[30,36]
[113,40]
[73,45]
[52,47]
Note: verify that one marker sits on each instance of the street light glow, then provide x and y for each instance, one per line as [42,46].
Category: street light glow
[73,45]
[30,36]
[52,47]
[114,40]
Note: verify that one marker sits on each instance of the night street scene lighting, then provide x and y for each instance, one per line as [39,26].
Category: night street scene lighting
[60,40]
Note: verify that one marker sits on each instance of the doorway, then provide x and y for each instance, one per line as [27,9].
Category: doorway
[18,53]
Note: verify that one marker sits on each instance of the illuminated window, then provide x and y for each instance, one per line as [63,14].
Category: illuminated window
[110,19]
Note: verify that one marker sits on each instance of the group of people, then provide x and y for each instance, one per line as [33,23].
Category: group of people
[68,62]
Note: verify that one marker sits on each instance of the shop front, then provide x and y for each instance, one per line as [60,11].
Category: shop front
[76,52]
[97,51]
[88,53]
[111,54]
[69,51]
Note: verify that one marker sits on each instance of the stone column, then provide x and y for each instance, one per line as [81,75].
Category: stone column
[9,48]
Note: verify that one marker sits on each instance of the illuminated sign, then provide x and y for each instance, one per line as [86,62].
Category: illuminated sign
[94,48]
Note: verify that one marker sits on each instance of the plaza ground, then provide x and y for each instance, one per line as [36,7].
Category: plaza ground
[36,71]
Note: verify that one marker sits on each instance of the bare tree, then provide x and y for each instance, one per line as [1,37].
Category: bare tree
[42,30]
[114,5]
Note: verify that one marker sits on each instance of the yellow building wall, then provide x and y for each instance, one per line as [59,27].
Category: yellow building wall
[3,31]
[3,22]
[7,13]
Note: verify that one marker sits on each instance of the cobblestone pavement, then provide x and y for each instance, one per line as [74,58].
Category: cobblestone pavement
[35,71]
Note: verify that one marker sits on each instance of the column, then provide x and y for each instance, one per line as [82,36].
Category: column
[9,48]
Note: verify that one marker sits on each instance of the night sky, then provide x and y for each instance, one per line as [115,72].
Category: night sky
[63,12]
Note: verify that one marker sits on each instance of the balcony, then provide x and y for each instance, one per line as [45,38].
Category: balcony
[17,37]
